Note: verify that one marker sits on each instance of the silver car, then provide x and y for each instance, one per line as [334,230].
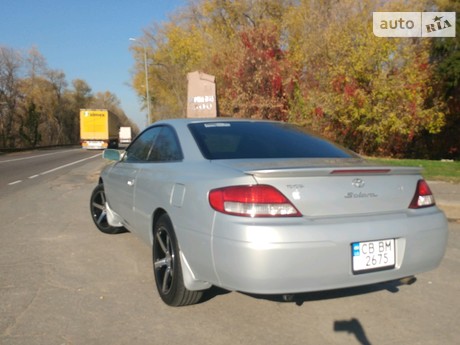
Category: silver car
[266,208]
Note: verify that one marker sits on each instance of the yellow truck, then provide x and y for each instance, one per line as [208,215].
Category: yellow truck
[98,129]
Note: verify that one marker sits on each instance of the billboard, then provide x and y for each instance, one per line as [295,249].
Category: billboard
[201,95]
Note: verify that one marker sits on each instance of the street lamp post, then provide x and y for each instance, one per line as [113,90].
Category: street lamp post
[146,80]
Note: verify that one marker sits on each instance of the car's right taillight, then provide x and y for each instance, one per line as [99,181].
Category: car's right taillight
[252,201]
[423,196]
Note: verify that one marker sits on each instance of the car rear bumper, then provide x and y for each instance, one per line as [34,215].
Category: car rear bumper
[261,256]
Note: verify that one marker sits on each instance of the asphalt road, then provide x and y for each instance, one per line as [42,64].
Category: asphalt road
[23,169]
[63,282]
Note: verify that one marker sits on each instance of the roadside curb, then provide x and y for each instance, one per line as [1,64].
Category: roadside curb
[447,196]
[451,211]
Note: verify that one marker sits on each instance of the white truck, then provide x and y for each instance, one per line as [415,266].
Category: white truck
[125,136]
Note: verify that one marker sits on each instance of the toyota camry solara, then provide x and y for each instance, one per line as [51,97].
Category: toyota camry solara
[265,208]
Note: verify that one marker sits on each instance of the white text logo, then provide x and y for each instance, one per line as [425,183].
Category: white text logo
[414,24]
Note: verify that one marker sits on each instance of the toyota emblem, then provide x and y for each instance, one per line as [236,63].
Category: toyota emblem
[358,183]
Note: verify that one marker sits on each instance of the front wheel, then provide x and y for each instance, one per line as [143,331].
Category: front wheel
[98,210]
[167,267]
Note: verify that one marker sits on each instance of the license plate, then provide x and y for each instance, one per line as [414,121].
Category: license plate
[373,255]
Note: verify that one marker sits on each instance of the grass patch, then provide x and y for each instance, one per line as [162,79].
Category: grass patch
[432,170]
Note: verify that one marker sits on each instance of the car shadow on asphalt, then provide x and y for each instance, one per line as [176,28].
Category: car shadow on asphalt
[351,326]
[300,298]
[212,293]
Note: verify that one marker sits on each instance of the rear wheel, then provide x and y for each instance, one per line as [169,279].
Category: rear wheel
[98,210]
[167,267]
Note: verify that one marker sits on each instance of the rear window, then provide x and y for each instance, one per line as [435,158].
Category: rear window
[246,139]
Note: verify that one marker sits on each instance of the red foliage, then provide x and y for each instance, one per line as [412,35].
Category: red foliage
[413,108]
[423,66]
[258,75]
[319,112]
[338,83]
[349,90]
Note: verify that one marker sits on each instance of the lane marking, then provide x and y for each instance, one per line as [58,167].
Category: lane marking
[31,157]
[57,168]
[69,164]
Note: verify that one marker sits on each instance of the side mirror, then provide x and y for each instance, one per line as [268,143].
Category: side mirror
[111,154]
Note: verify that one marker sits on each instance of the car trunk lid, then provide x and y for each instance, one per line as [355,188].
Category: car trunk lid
[335,187]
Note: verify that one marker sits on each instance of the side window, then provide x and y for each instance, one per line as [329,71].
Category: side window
[166,147]
[140,149]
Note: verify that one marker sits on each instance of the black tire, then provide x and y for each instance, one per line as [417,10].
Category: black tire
[167,267]
[99,212]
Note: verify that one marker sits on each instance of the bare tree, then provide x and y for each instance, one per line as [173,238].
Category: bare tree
[10,65]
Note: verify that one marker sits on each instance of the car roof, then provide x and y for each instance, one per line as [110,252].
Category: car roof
[188,143]
[207,119]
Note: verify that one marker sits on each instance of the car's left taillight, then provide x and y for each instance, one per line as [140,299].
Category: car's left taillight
[423,196]
[252,201]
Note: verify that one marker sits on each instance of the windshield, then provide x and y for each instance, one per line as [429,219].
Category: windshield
[246,139]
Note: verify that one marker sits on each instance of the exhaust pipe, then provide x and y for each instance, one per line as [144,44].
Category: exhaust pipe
[408,280]
[288,297]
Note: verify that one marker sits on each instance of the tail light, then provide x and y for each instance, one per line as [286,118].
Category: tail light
[252,201]
[423,196]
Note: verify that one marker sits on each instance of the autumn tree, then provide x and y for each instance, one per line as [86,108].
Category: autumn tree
[257,83]
[28,129]
[110,101]
[205,36]
[10,93]
[36,106]
[445,59]
[364,91]
[245,53]
[173,50]
[316,63]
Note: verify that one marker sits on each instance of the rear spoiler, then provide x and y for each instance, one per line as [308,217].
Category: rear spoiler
[326,171]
